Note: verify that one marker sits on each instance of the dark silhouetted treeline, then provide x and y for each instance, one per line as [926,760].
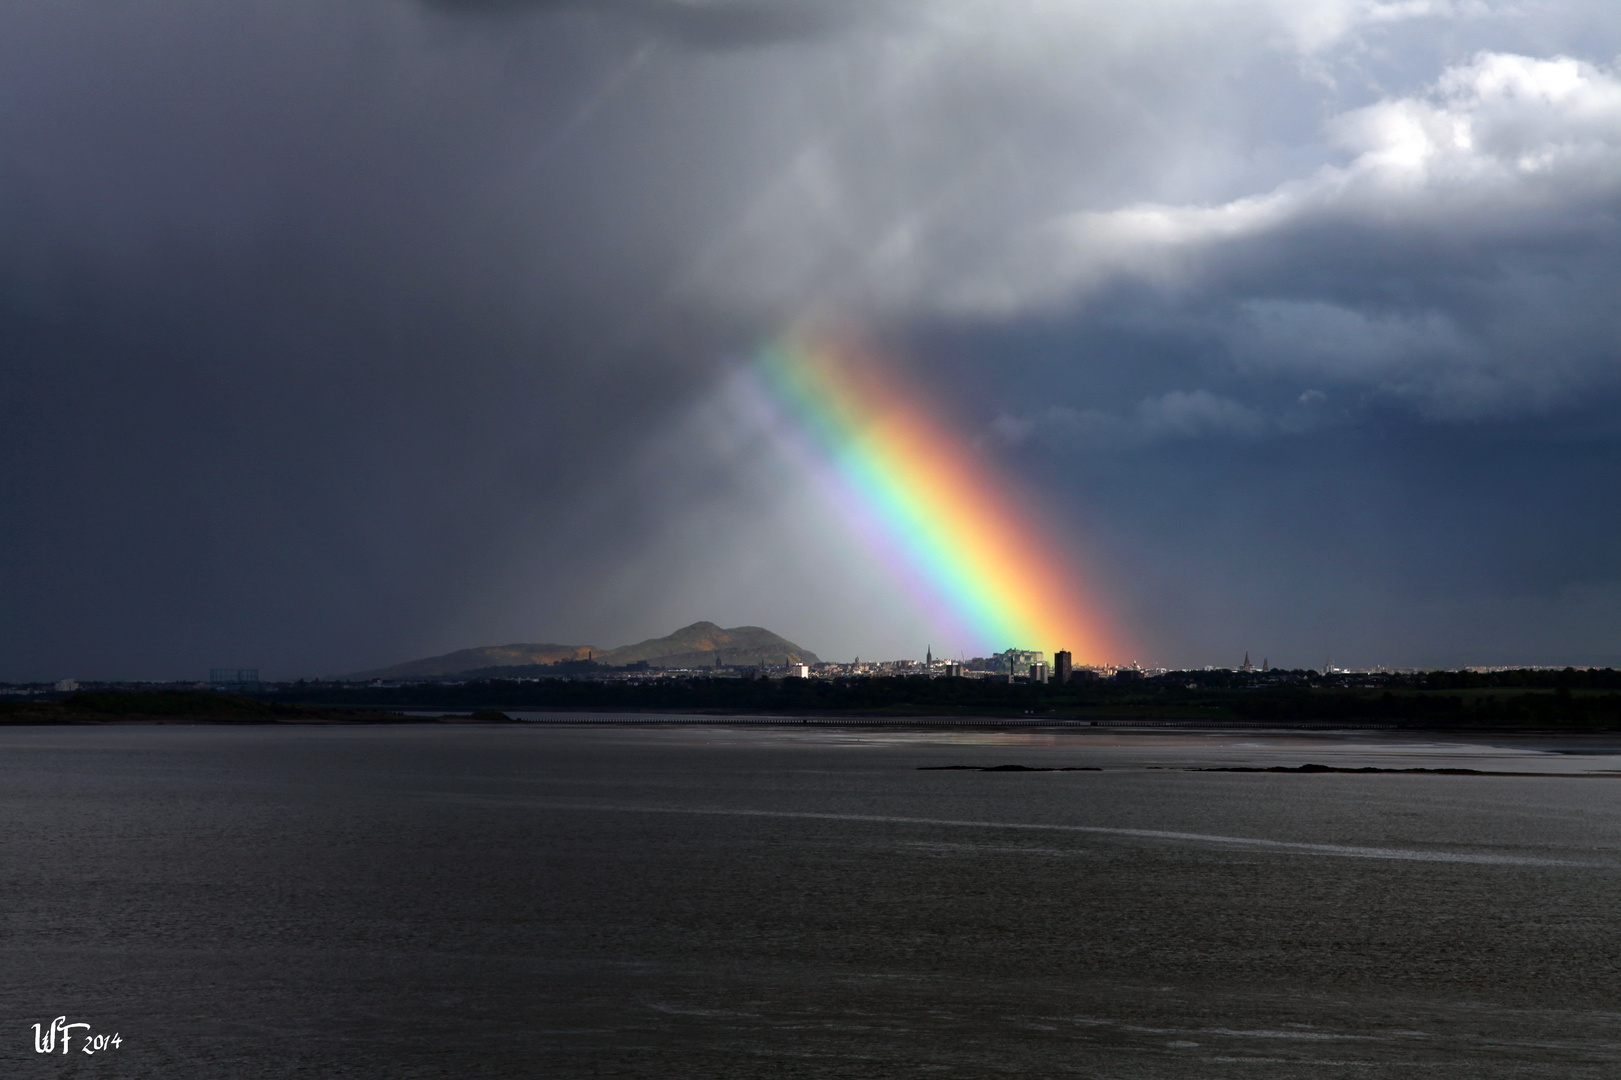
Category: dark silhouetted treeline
[1568,678]
[1547,700]
[1537,699]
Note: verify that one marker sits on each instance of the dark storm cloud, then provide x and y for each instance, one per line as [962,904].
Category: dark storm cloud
[710,23]
[333,335]
[290,359]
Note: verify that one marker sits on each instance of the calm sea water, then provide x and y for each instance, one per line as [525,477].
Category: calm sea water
[419,901]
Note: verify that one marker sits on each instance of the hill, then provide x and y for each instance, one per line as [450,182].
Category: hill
[485,657]
[691,646]
[699,644]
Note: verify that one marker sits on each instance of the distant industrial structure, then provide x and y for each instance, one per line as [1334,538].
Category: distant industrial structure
[230,678]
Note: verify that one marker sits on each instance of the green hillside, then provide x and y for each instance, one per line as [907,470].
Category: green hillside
[698,645]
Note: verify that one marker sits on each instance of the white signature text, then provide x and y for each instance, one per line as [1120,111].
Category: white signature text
[62,1033]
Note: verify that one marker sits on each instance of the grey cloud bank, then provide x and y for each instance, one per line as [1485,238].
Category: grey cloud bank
[333,336]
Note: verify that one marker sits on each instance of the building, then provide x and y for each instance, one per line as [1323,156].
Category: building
[953,670]
[1015,660]
[1062,666]
[1038,672]
[798,671]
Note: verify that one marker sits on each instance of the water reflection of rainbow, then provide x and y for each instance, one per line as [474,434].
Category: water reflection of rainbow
[977,561]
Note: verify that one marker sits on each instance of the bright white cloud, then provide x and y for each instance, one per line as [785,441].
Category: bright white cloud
[1494,140]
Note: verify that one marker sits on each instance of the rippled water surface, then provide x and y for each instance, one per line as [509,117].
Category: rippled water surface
[423,901]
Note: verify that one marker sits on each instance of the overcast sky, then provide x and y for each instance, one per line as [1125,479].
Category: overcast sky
[333,335]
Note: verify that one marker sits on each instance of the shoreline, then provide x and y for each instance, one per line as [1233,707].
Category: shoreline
[675,718]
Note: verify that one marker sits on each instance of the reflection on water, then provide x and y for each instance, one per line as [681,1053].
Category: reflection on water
[728,901]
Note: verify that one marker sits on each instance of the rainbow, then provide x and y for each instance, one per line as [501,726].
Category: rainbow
[974,556]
